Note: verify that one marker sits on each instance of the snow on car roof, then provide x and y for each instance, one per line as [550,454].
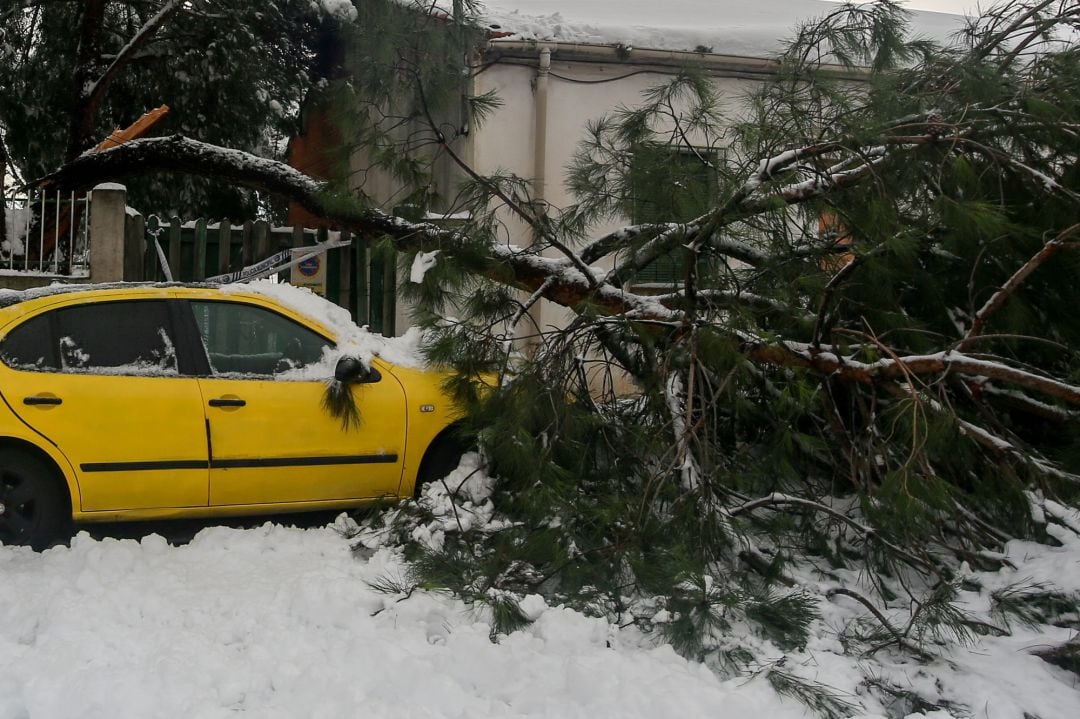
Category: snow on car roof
[9,298]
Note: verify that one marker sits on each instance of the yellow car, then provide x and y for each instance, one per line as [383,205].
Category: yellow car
[136,402]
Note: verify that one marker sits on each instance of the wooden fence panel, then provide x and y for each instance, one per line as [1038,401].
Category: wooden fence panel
[247,245]
[260,239]
[224,248]
[175,254]
[134,247]
[360,305]
[198,269]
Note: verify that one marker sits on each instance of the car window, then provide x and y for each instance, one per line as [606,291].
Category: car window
[116,338]
[245,339]
[29,346]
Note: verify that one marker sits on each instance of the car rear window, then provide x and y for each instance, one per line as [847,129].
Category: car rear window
[127,338]
[28,346]
[117,338]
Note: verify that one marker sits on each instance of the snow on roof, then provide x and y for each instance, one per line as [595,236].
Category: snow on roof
[729,27]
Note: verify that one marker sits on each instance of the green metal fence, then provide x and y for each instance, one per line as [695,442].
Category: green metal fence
[357,277]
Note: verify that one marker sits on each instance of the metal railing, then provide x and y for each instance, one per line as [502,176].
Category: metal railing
[46,233]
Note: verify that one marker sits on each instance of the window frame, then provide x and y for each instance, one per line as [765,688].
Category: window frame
[198,351]
[51,315]
[52,358]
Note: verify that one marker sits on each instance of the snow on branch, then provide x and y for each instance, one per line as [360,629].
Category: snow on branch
[778,499]
[565,283]
[825,362]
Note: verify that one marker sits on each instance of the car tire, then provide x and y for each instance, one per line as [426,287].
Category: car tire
[442,457]
[36,509]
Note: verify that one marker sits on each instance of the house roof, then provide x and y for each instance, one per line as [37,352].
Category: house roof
[753,28]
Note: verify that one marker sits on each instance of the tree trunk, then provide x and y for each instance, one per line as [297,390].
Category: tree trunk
[83,106]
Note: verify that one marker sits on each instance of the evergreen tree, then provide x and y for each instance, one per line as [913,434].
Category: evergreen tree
[232,72]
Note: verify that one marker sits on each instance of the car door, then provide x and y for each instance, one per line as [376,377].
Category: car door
[101,381]
[271,441]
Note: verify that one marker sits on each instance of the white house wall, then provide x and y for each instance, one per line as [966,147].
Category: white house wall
[506,140]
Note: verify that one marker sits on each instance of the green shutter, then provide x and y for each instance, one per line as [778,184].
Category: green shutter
[669,185]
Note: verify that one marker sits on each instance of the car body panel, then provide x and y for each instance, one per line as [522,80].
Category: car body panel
[135,442]
[145,467]
[429,412]
[282,446]
[14,433]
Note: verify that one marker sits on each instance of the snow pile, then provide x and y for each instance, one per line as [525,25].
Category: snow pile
[458,503]
[278,622]
[727,27]
[341,9]
[15,230]
[282,622]
[990,667]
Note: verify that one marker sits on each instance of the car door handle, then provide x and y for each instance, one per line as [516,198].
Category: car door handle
[39,399]
[227,402]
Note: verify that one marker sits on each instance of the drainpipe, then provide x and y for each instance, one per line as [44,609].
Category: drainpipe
[539,183]
[540,132]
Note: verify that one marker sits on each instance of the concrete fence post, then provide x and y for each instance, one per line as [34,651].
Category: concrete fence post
[108,203]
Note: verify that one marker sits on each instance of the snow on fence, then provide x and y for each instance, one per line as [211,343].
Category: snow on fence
[45,233]
[358,277]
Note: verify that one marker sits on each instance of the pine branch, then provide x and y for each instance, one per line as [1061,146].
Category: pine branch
[536,221]
[1035,32]
[825,362]
[998,298]
[777,499]
[899,637]
[724,298]
[995,40]
[95,92]
[1017,400]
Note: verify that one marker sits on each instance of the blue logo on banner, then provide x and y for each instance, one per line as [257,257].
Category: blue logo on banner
[309,267]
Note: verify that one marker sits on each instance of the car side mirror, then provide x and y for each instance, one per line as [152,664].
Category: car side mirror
[350,369]
[338,399]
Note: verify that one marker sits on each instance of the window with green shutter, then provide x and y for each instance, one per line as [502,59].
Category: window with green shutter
[669,185]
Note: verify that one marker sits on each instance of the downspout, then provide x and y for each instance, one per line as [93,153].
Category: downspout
[539,183]
[540,129]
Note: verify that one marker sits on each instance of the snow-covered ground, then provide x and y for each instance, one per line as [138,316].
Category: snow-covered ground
[283,622]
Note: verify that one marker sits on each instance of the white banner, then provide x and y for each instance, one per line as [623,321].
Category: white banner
[275,263]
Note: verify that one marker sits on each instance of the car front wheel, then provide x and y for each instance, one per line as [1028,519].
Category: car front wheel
[441,459]
[33,506]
